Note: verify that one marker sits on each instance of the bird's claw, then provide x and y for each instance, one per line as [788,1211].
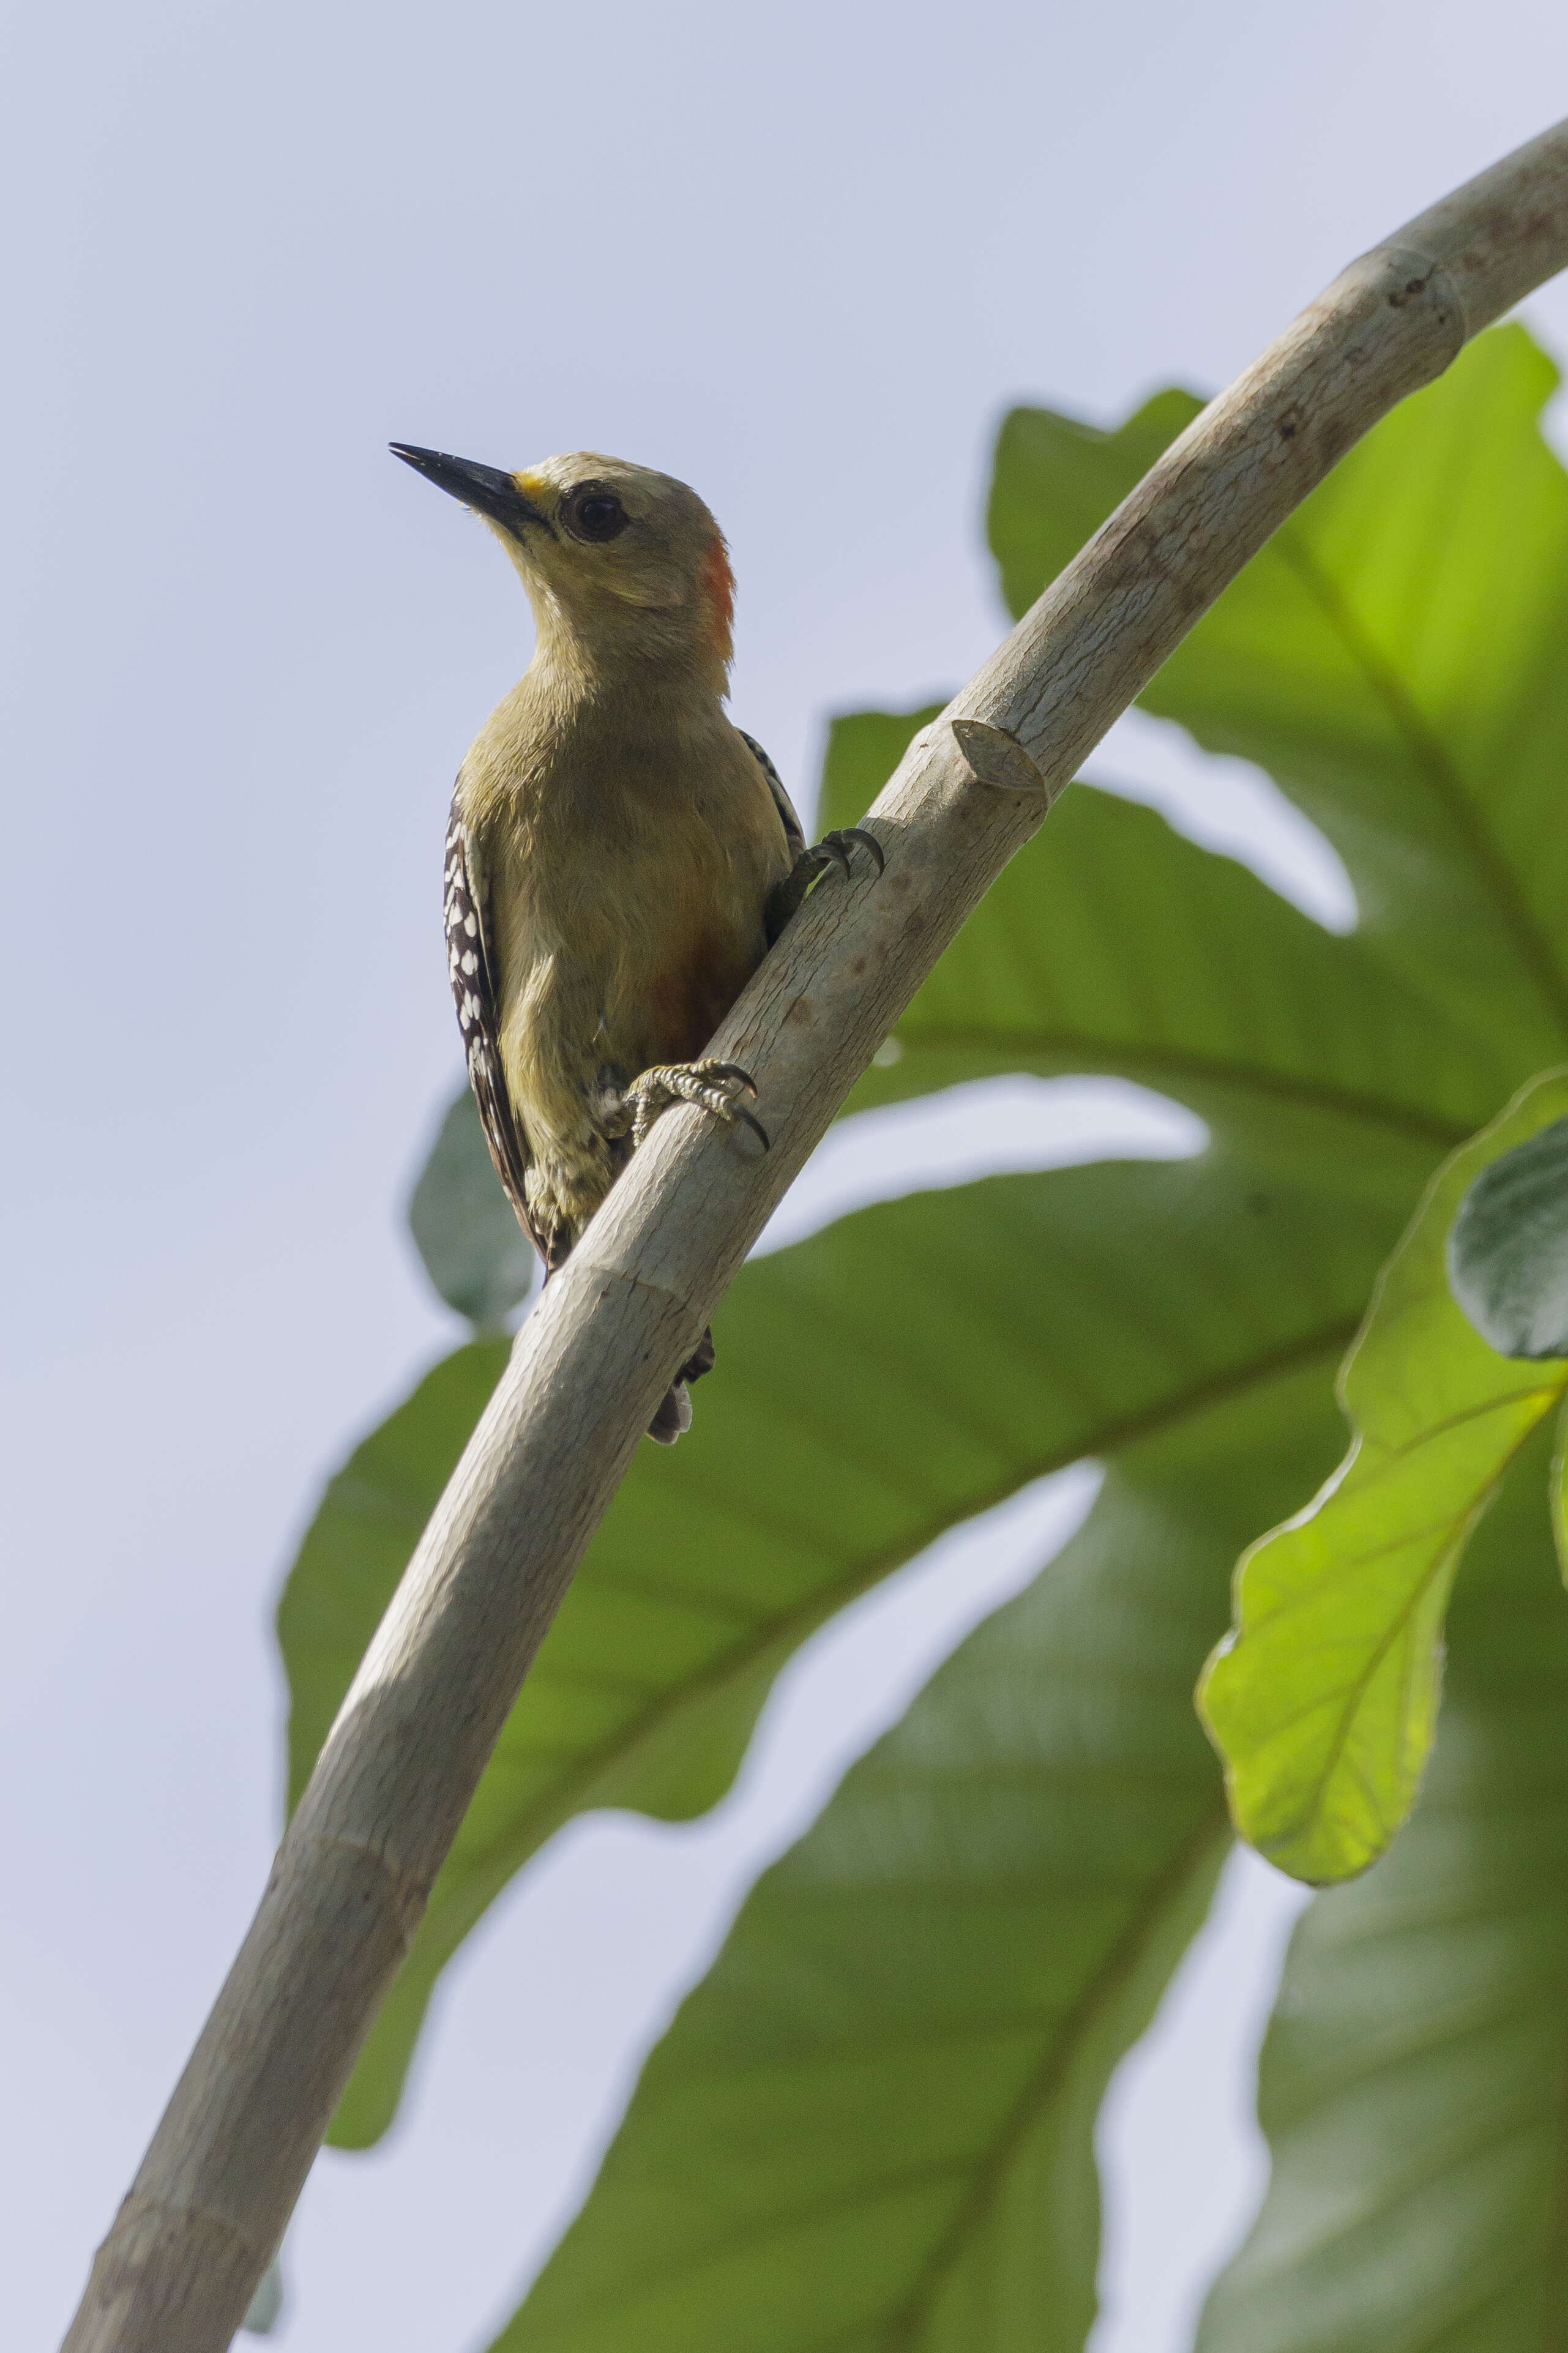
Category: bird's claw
[709,1085]
[869,841]
[835,848]
[729,1071]
[750,1119]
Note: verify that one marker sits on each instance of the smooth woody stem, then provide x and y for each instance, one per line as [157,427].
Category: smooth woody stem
[351,1879]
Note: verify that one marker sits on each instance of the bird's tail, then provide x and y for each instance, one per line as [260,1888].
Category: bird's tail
[673,1418]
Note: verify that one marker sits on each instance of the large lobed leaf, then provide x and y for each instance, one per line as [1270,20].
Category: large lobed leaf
[1325,1703]
[1079,1309]
[1393,657]
[872,2126]
[1112,944]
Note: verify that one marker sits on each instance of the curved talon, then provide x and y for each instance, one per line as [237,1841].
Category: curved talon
[836,846]
[736,1111]
[833,849]
[733,1070]
[859,833]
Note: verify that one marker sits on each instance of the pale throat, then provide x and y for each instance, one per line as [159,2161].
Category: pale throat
[657,654]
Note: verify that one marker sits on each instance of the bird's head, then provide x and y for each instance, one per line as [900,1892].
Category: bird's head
[626,563]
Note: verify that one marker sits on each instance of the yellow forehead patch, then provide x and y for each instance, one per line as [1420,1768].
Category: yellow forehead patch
[535,487]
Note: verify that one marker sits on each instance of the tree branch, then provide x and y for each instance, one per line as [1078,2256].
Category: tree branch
[227,2163]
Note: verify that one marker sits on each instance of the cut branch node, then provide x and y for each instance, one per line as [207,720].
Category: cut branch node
[996,757]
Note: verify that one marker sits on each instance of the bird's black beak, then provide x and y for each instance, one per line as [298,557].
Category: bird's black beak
[486,487]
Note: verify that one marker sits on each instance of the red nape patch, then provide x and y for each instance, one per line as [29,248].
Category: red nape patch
[719,582]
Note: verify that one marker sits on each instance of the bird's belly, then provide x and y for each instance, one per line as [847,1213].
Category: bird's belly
[602,989]
[685,1000]
[577,1023]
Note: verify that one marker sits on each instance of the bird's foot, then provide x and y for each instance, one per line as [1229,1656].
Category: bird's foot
[712,1086]
[833,849]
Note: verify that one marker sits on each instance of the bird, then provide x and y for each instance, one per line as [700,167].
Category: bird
[619,856]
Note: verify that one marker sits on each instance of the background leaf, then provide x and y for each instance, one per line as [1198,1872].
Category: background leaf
[474,1249]
[1111,943]
[1081,1310]
[1508,1250]
[358,1545]
[1394,658]
[1325,1702]
[872,2126]
[1055,480]
[1412,2079]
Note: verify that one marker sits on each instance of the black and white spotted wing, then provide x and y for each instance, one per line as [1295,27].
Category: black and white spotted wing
[793,833]
[473,994]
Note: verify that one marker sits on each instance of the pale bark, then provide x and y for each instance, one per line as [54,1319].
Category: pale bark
[227,2163]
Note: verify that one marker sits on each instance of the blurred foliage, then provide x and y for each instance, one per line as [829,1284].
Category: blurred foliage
[872,2127]
[366,1527]
[474,1249]
[871,2124]
[1324,1706]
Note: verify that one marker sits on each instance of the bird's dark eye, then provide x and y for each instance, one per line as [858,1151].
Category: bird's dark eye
[596,514]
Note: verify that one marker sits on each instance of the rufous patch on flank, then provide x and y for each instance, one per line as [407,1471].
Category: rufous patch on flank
[719,582]
[690,994]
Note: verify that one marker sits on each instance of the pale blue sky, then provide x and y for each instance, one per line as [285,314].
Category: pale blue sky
[802,255]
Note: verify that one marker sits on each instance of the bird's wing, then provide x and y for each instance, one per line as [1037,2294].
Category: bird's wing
[478,1017]
[794,833]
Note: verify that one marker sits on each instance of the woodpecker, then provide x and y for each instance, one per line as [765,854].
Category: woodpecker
[619,856]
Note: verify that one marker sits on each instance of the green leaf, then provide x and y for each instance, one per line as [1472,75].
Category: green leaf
[871,2126]
[863,749]
[1325,1702]
[1411,2079]
[359,1543]
[1079,1309]
[1110,943]
[1055,481]
[1394,658]
[475,1250]
[1508,1252]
